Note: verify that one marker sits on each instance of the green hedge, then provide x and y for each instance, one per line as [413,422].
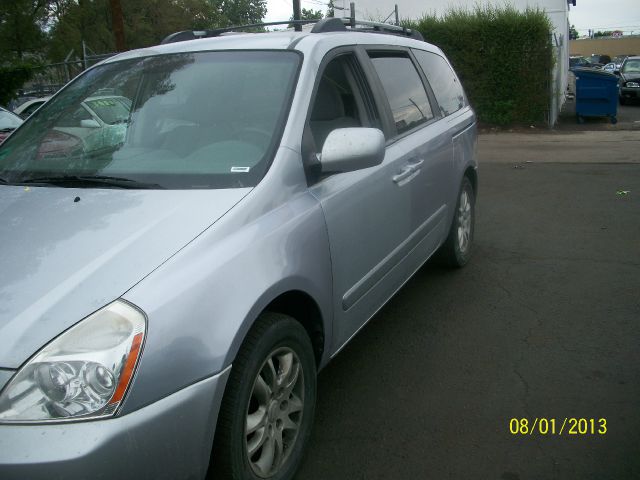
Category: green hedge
[502,56]
[12,77]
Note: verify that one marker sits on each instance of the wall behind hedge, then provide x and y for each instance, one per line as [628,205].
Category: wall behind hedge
[503,58]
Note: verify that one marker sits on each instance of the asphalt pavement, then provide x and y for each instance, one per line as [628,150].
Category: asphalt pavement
[544,323]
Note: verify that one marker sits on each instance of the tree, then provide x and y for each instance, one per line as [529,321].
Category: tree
[81,20]
[21,27]
[12,77]
[599,34]
[146,22]
[573,33]
[241,12]
[21,41]
[331,9]
[309,14]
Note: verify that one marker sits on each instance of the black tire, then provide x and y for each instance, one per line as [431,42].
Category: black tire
[271,333]
[623,101]
[450,253]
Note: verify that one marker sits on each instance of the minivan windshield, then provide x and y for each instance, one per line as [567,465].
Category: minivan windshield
[177,121]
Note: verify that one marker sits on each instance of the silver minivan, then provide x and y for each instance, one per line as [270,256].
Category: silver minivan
[168,294]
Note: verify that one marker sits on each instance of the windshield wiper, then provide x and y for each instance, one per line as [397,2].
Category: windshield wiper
[83,181]
[7,130]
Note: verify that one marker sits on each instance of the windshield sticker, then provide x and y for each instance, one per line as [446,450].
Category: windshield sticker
[240,169]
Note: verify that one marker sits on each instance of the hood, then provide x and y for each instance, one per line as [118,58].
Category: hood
[65,253]
[628,77]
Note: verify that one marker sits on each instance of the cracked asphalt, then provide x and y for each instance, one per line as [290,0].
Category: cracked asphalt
[544,322]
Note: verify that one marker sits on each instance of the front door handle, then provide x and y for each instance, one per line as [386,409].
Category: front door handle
[408,170]
[405,173]
[416,163]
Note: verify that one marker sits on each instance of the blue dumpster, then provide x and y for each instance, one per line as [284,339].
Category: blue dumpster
[596,94]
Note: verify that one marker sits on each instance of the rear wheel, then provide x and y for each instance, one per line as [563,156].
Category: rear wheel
[267,411]
[456,250]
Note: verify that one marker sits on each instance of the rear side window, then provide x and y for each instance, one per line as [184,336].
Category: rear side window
[404,89]
[443,81]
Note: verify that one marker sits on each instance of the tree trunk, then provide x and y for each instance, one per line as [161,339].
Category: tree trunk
[117,24]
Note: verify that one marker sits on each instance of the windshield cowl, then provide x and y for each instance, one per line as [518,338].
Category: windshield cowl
[77,181]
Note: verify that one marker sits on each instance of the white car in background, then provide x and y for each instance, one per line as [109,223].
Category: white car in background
[8,123]
[25,110]
[98,121]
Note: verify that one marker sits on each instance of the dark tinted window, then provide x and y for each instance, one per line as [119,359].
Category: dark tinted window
[443,81]
[406,94]
[31,108]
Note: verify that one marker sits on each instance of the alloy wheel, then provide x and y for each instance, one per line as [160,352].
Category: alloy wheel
[464,221]
[274,413]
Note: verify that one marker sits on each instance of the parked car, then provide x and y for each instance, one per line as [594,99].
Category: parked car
[100,121]
[599,60]
[579,61]
[619,60]
[8,123]
[629,80]
[168,300]
[27,108]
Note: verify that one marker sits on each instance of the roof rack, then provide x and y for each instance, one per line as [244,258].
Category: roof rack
[321,26]
[196,34]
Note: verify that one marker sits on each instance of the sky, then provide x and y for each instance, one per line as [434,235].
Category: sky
[595,14]
[606,15]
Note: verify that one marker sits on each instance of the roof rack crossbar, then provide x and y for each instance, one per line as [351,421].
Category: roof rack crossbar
[321,26]
[385,28]
[196,34]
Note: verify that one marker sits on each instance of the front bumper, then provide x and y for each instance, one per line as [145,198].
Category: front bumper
[630,92]
[169,439]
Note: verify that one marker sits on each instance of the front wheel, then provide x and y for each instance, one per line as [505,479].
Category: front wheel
[267,411]
[456,250]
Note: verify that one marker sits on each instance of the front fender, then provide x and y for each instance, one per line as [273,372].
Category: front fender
[201,303]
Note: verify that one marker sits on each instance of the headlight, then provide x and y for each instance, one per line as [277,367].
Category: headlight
[83,373]
[633,84]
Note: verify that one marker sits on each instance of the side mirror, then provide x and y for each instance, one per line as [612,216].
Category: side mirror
[90,123]
[349,149]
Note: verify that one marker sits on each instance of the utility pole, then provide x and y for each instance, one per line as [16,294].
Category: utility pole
[296,15]
[117,24]
[397,19]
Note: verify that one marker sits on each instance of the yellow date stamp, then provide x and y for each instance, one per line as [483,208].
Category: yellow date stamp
[559,426]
